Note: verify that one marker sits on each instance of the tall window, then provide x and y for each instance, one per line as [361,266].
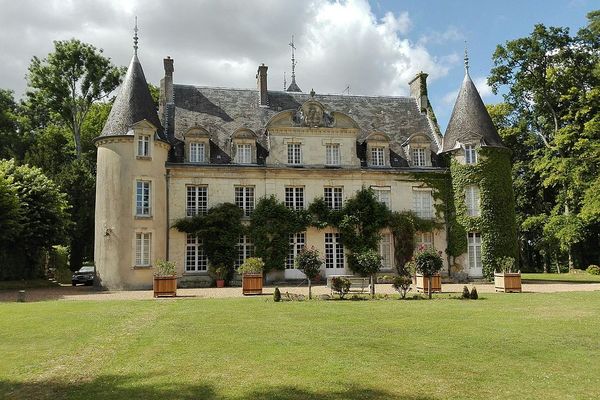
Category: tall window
[334,251]
[197,200]
[142,249]
[418,158]
[422,203]
[142,198]
[143,146]
[333,197]
[470,154]
[332,154]
[197,152]
[294,153]
[244,199]
[385,250]
[297,241]
[378,156]
[424,239]
[472,200]
[195,259]
[294,197]
[383,195]
[474,242]
[245,249]
[243,153]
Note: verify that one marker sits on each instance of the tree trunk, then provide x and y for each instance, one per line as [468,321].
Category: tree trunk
[545,264]
[372,286]
[429,280]
[77,139]
[309,290]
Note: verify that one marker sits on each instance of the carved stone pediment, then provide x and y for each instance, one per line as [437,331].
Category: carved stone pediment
[313,114]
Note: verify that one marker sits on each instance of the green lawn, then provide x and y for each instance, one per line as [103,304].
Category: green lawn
[504,346]
[566,277]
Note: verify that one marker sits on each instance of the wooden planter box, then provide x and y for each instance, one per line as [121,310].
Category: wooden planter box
[423,283]
[165,286]
[507,282]
[252,284]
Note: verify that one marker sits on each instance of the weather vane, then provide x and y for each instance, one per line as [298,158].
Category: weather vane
[135,37]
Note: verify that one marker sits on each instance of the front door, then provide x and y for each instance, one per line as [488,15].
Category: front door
[296,244]
[334,255]
[475,267]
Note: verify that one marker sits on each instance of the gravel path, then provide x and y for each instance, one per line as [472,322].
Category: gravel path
[90,293]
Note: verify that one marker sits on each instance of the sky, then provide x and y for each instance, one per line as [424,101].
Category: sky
[359,47]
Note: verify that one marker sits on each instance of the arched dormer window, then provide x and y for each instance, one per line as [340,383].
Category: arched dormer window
[243,143]
[471,155]
[197,145]
[418,150]
[378,150]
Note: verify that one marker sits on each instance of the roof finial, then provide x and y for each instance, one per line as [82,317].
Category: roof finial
[284,82]
[293,59]
[466,59]
[135,37]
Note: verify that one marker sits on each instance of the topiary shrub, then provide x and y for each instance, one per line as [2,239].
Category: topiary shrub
[474,295]
[309,262]
[593,270]
[340,285]
[277,295]
[428,263]
[402,284]
[465,293]
[366,263]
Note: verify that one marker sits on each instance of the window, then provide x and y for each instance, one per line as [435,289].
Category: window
[385,250]
[142,198]
[422,203]
[294,198]
[472,200]
[244,199]
[418,158]
[334,251]
[245,249]
[243,153]
[378,156]
[470,154]
[196,152]
[297,241]
[143,147]
[474,247]
[332,154]
[294,151]
[197,200]
[383,195]
[424,239]
[195,259]
[142,249]
[333,197]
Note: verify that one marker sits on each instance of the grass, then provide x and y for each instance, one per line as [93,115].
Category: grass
[505,346]
[566,277]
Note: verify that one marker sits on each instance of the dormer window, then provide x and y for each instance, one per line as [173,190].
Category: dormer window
[243,142]
[332,154]
[419,157]
[197,141]
[418,149]
[378,148]
[197,152]
[377,156]
[243,153]
[470,154]
[294,153]
[143,146]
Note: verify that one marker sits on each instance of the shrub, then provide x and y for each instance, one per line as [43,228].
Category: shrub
[402,284]
[465,293]
[277,295]
[506,264]
[593,270]
[165,268]
[309,262]
[340,285]
[252,265]
[219,272]
[428,263]
[474,295]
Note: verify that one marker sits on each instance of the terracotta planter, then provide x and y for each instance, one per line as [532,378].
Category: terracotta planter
[252,284]
[507,282]
[423,283]
[220,283]
[165,286]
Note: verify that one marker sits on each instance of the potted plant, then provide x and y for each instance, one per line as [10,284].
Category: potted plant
[165,280]
[506,279]
[219,274]
[429,263]
[309,262]
[252,277]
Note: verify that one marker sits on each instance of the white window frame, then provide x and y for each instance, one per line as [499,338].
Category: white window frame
[196,200]
[378,156]
[473,200]
[143,146]
[245,249]
[294,197]
[243,153]
[334,197]
[244,199]
[197,152]
[424,239]
[143,249]
[383,194]
[294,153]
[332,154]
[334,251]
[195,258]
[143,198]
[470,154]
[419,157]
[297,241]
[474,249]
[423,203]
[386,250]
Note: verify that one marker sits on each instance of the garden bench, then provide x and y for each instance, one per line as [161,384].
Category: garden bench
[358,284]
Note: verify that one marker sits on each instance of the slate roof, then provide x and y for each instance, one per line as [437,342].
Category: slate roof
[132,104]
[470,119]
[221,111]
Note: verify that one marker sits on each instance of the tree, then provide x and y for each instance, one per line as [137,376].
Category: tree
[309,262]
[10,211]
[9,137]
[367,263]
[69,80]
[428,263]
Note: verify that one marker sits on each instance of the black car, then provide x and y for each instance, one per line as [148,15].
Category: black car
[85,275]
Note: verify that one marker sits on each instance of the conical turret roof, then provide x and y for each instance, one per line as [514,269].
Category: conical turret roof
[470,120]
[133,104]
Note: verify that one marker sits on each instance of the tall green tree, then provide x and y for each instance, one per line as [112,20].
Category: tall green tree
[69,80]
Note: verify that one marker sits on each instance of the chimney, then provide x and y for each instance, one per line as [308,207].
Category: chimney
[166,88]
[261,80]
[418,90]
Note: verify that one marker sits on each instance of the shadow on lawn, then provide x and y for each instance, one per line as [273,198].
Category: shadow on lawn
[114,387]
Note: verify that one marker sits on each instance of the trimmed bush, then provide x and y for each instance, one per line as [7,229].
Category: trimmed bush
[474,295]
[402,284]
[466,294]
[340,285]
[277,295]
[593,270]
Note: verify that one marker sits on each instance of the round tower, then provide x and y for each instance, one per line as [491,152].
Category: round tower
[131,213]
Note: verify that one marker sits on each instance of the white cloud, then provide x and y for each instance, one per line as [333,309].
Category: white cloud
[451,34]
[482,86]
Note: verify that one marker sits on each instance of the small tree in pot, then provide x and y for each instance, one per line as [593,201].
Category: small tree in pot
[309,262]
[165,279]
[252,279]
[219,274]
[367,263]
[428,263]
